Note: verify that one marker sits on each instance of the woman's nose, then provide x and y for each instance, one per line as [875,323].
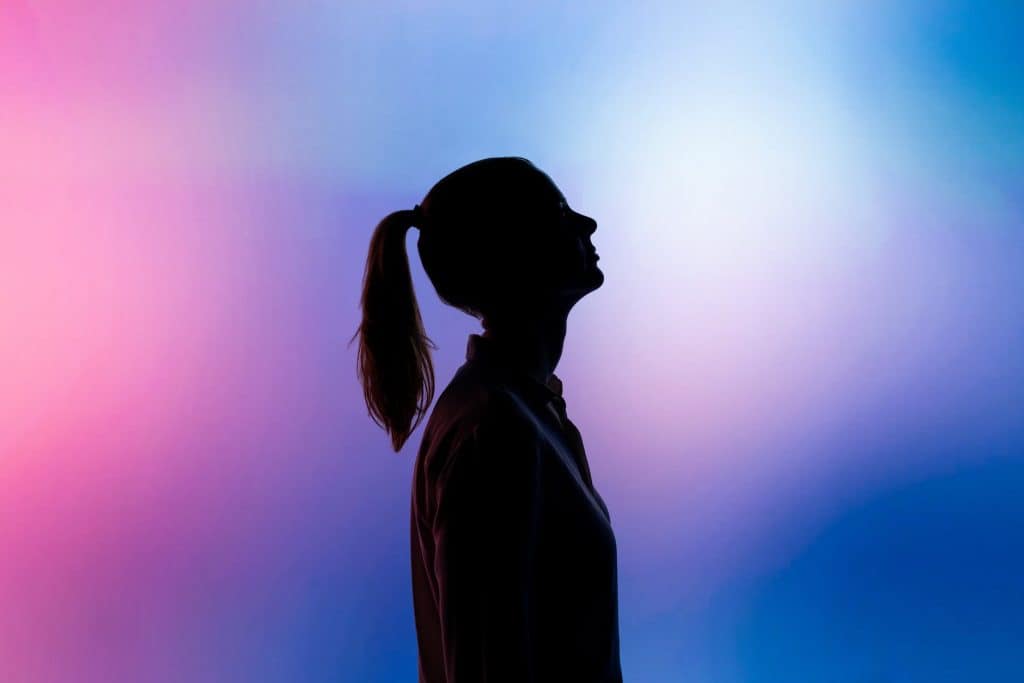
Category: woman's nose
[588,224]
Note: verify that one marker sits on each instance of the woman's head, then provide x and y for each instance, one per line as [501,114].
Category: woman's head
[499,238]
[498,241]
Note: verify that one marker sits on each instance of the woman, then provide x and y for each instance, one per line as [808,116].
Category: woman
[513,554]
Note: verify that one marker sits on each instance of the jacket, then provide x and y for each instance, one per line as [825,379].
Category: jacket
[513,555]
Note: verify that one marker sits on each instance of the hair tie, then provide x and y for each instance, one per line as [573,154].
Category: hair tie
[419,217]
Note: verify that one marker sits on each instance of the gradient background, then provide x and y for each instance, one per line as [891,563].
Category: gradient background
[801,387]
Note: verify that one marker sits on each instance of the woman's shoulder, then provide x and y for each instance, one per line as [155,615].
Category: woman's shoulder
[473,406]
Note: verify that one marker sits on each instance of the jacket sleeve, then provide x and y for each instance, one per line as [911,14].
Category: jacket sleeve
[485,535]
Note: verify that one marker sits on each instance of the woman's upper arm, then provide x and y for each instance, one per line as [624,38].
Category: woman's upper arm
[485,534]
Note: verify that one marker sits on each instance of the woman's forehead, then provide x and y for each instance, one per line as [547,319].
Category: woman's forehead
[540,186]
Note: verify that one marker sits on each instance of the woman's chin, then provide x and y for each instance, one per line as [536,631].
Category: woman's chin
[592,279]
[582,284]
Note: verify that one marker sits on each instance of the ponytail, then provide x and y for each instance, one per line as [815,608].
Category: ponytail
[394,364]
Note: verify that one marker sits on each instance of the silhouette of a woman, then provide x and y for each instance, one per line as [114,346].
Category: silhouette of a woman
[513,554]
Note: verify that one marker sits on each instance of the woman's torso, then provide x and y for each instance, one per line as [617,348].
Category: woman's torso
[574,589]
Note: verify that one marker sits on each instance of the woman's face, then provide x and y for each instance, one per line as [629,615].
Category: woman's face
[564,256]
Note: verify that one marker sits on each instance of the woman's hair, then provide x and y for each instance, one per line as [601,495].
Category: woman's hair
[394,362]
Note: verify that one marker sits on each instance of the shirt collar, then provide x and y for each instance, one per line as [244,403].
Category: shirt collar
[480,349]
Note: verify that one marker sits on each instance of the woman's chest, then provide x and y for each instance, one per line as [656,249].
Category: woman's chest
[576,548]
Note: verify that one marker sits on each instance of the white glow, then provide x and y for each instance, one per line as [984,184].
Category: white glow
[740,173]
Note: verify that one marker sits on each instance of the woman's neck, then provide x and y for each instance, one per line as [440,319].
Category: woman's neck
[533,344]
